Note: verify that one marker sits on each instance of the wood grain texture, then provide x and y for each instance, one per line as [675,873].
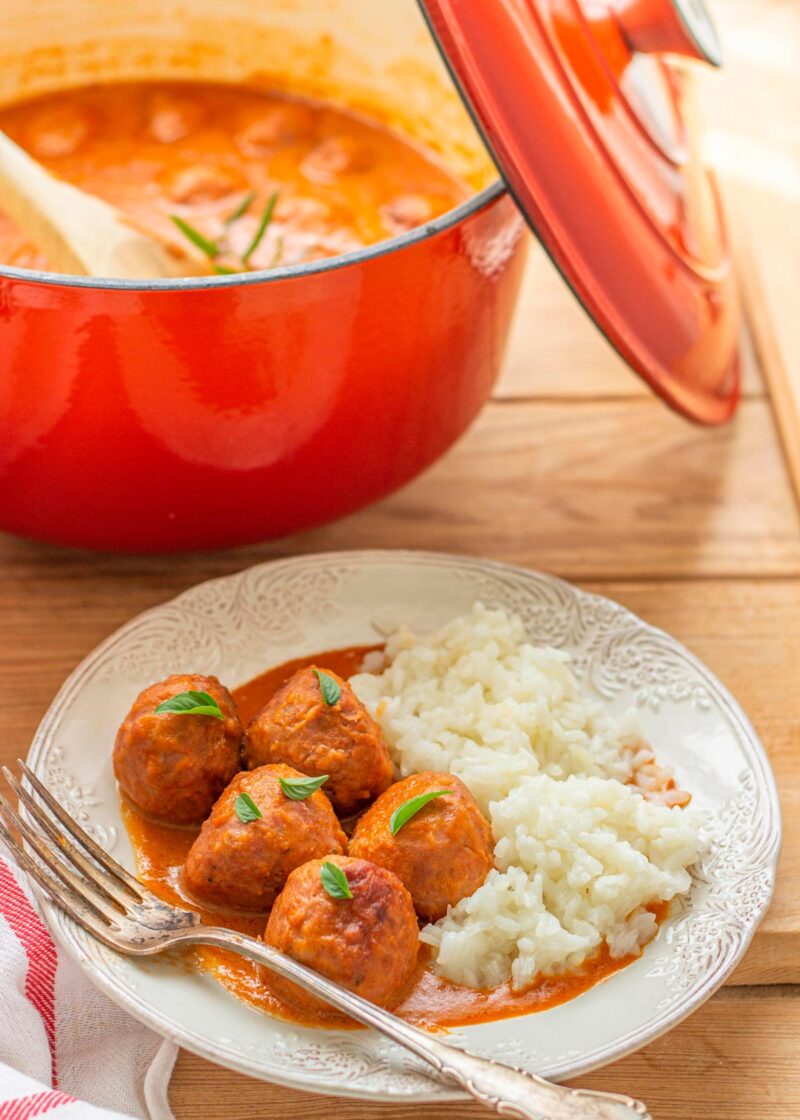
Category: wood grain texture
[597,489]
[708,1068]
[611,489]
[781,368]
[753,138]
[606,489]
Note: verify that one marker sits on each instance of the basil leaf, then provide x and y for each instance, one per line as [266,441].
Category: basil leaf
[210,248]
[191,704]
[335,881]
[266,218]
[246,809]
[240,210]
[403,813]
[331,692]
[298,789]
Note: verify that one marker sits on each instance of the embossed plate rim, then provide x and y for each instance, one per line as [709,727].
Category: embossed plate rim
[385,1082]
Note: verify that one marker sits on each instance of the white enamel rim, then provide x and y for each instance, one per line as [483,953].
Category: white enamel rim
[696,949]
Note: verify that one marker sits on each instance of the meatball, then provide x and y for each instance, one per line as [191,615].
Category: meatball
[367,943]
[264,130]
[442,854]
[56,131]
[245,864]
[174,765]
[202,183]
[406,212]
[341,740]
[338,155]
[172,116]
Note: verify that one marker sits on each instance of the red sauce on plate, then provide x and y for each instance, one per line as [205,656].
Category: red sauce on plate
[430,1001]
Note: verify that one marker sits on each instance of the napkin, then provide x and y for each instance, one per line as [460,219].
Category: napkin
[66,1051]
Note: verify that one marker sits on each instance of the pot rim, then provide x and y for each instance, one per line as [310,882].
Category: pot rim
[454,217]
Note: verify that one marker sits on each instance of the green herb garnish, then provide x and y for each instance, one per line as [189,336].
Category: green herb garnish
[210,248]
[216,248]
[403,813]
[335,881]
[276,256]
[266,218]
[246,809]
[191,704]
[240,210]
[331,692]
[298,789]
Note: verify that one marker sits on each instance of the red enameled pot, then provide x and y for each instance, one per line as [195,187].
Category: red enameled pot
[200,413]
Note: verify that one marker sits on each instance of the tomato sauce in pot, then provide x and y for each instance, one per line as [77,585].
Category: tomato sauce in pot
[330,182]
[429,1001]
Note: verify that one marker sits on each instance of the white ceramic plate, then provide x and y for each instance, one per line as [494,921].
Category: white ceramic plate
[238,626]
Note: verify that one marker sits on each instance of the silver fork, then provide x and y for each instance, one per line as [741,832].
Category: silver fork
[104,899]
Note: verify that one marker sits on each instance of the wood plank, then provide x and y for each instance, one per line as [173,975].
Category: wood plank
[53,615]
[612,490]
[556,352]
[754,140]
[708,1068]
[768,286]
[616,490]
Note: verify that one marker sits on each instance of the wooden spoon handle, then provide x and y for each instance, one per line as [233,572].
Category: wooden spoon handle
[79,233]
[27,196]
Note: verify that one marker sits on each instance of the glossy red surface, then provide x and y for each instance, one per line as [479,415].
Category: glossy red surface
[669,27]
[158,420]
[596,140]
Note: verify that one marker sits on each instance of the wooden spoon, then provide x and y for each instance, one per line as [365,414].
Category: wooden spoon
[81,234]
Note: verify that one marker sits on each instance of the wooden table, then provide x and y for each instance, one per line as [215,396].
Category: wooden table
[573,468]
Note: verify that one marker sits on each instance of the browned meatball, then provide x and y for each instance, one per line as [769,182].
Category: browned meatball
[245,864]
[367,943]
[174,765]
[442,854]
[342,739]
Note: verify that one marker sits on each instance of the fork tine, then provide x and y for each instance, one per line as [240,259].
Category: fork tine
[53,863]
[107,883]
[77,833]
[58,894]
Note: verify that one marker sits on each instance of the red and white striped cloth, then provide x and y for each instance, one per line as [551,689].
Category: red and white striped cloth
[66,1051]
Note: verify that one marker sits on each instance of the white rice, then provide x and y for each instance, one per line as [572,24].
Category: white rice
[579,854]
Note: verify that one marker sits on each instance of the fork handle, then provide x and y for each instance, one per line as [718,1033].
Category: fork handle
[504,1089]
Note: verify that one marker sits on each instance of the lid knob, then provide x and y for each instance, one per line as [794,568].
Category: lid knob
[669,27]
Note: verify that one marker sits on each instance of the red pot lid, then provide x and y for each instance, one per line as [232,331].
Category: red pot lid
[586,110]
